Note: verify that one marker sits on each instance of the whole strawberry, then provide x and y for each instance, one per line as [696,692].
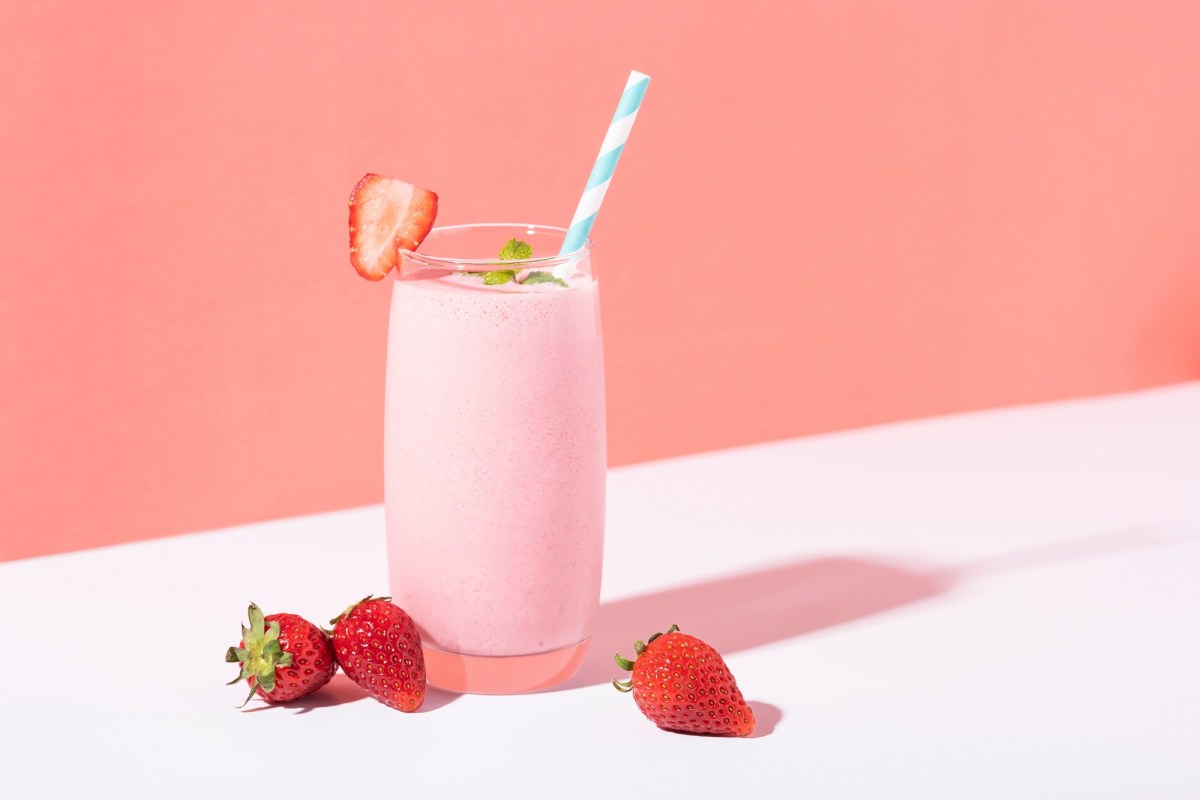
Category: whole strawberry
[284,657]
[378,646]
[682,684]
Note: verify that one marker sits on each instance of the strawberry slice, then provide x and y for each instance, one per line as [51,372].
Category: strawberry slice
[387,214]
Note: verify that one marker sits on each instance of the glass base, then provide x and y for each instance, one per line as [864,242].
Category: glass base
[502,674]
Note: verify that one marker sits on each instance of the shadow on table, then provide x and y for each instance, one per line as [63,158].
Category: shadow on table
[769,605]
[338,691]
[766,717]
[341,690]
[756,608]
[777,603]
[435,698]
[1093,545]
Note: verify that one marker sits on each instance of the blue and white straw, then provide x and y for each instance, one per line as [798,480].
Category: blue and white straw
[606,164]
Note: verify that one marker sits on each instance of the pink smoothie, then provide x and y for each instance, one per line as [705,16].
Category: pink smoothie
[494,462]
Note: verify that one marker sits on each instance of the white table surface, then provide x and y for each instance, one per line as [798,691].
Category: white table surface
[994,605]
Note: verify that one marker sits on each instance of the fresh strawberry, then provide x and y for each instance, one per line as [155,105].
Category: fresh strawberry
[387,214]
[284,657]
[682,684]
[378,646]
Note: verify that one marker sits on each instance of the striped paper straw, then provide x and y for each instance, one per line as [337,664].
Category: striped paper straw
[602,170]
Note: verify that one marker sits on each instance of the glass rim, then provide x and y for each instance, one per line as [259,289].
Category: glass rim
[445,262]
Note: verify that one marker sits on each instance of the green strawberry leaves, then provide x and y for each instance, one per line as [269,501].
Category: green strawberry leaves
[259,655]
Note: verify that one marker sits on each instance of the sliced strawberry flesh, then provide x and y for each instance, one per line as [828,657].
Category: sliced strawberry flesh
[387,215]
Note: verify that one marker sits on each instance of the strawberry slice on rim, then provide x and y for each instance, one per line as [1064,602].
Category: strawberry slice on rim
[387,214]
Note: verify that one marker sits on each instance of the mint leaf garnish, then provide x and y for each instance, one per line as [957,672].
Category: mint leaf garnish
[545,277]
[515,250]
[498,276]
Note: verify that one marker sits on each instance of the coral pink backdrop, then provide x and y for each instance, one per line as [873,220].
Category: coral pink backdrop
[829,215]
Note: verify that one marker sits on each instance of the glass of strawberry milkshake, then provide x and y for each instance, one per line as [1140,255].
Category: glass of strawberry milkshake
[494,460]
[494,436]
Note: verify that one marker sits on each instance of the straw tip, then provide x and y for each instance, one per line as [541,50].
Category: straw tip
[637,77]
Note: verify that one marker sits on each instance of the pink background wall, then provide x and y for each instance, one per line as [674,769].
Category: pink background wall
[829,215]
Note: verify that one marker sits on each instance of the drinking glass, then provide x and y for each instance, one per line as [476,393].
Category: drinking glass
[494,456]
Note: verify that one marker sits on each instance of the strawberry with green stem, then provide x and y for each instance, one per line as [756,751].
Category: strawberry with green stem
[681,683]
[283,657]
[379,648]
